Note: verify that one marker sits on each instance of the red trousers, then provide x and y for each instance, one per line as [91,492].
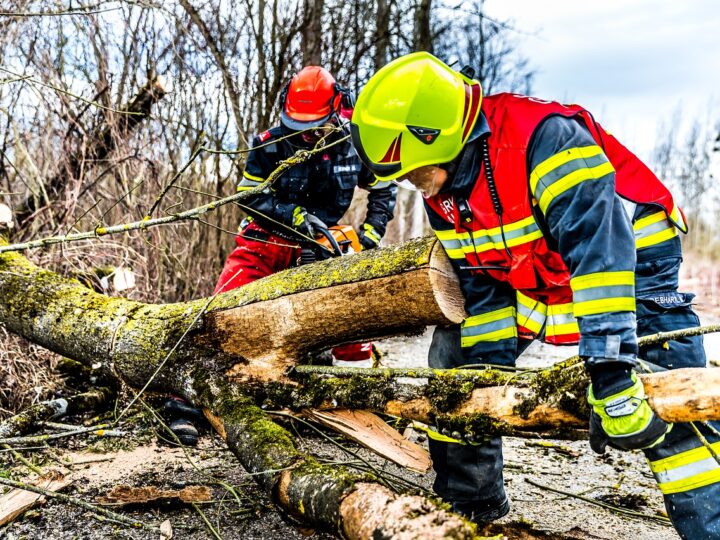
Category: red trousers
[259,254]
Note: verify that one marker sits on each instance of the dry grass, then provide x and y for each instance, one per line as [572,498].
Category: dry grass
[26,373]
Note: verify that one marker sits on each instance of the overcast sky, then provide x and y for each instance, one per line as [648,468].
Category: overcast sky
[632,62]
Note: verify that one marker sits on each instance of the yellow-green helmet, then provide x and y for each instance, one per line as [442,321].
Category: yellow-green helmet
[415,111]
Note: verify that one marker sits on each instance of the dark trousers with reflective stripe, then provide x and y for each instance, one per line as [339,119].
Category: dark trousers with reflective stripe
[694,504]
[474,473]
[464,473]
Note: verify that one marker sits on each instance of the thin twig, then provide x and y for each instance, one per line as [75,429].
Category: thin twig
[32,80]
[96,430]
[430,373]
[191,214]
[207,522]
[705,442]
[624,511]
[58,425]
[14,449]
[17,455]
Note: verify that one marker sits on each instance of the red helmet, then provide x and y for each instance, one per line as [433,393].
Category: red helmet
[310,99]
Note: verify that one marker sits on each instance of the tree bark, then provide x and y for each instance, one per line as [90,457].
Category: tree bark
[232,352]
[312,32]
[382,33]
[219,56]
[423,27]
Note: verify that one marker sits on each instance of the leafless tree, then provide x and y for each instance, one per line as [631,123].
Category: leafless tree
[225,63]
[312,32]
[686,164]
[486,44]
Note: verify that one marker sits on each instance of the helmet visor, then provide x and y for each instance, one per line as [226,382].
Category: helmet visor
[381,170]
[299,125]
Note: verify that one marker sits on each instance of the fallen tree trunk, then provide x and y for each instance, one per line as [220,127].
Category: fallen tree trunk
[133,340]
[253,336]
[254,333]
[233,352]
[323,496]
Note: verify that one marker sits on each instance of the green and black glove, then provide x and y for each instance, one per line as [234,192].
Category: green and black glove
[624,419]
[369,237]
[305,223]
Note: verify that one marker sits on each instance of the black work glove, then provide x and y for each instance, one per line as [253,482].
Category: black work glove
[369,237]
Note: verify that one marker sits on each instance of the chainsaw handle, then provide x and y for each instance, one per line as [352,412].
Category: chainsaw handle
[324,231]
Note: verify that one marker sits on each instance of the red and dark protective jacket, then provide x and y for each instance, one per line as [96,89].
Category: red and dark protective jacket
[324,184]
[506,229]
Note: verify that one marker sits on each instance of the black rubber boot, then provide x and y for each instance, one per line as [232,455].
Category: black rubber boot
[183,419]
[482,512]
[185,431]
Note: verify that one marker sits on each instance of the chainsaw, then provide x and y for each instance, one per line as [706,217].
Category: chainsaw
[335,241]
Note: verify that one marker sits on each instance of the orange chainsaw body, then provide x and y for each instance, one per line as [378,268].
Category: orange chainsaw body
[345,236]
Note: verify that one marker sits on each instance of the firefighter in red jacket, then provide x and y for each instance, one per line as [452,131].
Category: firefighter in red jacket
[557,232]
[315,192]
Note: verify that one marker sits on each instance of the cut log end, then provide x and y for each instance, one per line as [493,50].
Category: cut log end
[446,286]
[373,511]
[684,395]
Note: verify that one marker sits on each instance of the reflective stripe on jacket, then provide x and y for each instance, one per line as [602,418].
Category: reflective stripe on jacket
[513,247]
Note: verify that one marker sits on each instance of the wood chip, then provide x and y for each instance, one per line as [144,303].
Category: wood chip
[17,501]
[372,432]
[166,532]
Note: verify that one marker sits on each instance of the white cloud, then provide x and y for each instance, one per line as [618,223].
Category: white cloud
[630,62]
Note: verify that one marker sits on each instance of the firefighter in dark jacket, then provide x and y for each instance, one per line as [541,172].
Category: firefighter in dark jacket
[557,232]
[317,190]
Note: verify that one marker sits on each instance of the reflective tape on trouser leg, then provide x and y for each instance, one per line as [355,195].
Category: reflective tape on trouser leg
[688,474]
[688,470]
[696,513]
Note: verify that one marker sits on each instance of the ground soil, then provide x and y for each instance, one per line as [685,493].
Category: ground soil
[622,479]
